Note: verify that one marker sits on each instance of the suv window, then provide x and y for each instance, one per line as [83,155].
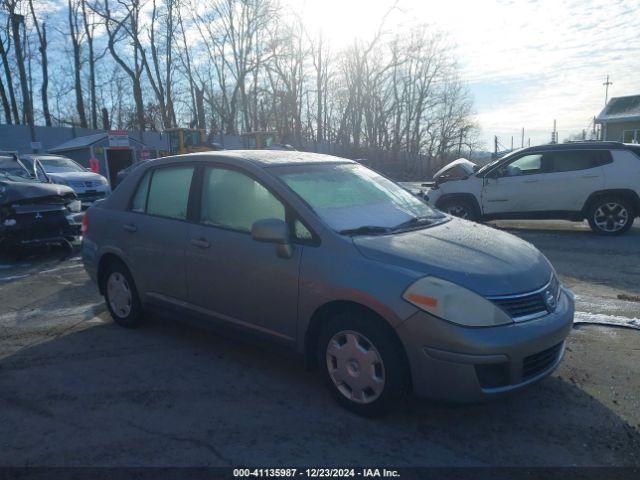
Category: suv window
[571,160]
[525,165]
[234,200]
[169,192]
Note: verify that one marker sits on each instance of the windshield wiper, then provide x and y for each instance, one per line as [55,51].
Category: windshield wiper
[412,222]
[365,230]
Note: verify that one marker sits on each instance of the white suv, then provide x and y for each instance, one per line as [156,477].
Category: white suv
[597,181]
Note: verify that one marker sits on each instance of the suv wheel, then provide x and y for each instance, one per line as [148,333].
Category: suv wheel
[362,364]
[459,207]
[610,216]
[121,296]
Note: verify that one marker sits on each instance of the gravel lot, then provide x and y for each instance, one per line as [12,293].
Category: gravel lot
[77,390]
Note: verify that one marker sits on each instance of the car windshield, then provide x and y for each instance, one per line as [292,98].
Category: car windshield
[16,175]
[60,165]
[349,197]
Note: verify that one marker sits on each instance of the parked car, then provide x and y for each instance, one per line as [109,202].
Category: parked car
[380,291]
[596,181]
[33,212]
[89,186]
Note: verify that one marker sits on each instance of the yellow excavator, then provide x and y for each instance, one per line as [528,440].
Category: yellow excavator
[187,140]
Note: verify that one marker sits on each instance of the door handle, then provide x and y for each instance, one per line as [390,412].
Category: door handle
[590,176]
[130,227]
[200,242]
[530,181]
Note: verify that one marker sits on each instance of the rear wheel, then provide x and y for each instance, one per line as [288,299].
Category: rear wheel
[460,207]
[121,296]
[363,366]
[610,215]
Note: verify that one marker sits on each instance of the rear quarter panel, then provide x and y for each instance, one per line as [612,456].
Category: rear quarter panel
[624,172]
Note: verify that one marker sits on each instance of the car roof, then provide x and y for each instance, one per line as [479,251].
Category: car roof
[583,145]
[30,156]
[263,158]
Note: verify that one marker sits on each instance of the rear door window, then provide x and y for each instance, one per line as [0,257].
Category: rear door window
[139,200]
[169,192]
[573,160]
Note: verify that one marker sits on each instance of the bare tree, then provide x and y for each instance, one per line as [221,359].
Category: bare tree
[76,36]
[41,31]
[89,24]
[127,24]
[17,21]
[7,71]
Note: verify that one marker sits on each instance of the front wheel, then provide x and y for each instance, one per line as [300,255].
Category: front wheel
[459,207]
[610,216]
[363,365]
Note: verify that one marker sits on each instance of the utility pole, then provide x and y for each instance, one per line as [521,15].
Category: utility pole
[495,146]
[512,143]
[554,133]
[606,90]
[522,141]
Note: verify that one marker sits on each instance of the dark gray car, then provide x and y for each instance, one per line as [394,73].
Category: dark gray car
[381,292]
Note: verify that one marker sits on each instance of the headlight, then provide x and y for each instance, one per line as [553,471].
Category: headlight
[75,206]
[456,304]
[103,180]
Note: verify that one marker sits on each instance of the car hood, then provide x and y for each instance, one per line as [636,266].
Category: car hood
[75,176]
[467,165]
[482,259]
[19,192]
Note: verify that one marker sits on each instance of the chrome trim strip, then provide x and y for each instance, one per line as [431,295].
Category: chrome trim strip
[520,295]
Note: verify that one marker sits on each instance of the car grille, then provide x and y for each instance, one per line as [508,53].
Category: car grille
[528,306]
[91,195]
[85,184]
[539,362]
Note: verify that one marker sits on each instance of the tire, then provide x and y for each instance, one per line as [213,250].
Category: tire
[460,207]
[370,391]
[610,215]
[121,296]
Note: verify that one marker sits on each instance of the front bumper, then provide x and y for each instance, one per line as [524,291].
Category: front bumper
[28,226]
[452,362]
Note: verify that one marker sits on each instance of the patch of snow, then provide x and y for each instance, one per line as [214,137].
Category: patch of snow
[605,319]
[13,277]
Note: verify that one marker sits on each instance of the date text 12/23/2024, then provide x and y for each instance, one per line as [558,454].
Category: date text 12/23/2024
[315,473]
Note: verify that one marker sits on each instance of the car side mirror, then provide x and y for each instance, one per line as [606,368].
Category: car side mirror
[272,230]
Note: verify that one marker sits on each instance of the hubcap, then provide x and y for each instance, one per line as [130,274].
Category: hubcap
[611,217]
[355,366]
[458,211]
[119,294]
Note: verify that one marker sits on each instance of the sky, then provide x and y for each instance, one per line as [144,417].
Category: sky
[525,62]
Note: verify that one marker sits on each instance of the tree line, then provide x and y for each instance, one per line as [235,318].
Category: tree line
[230,66]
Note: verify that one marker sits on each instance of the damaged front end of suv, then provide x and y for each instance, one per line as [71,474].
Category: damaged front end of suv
[34,213]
